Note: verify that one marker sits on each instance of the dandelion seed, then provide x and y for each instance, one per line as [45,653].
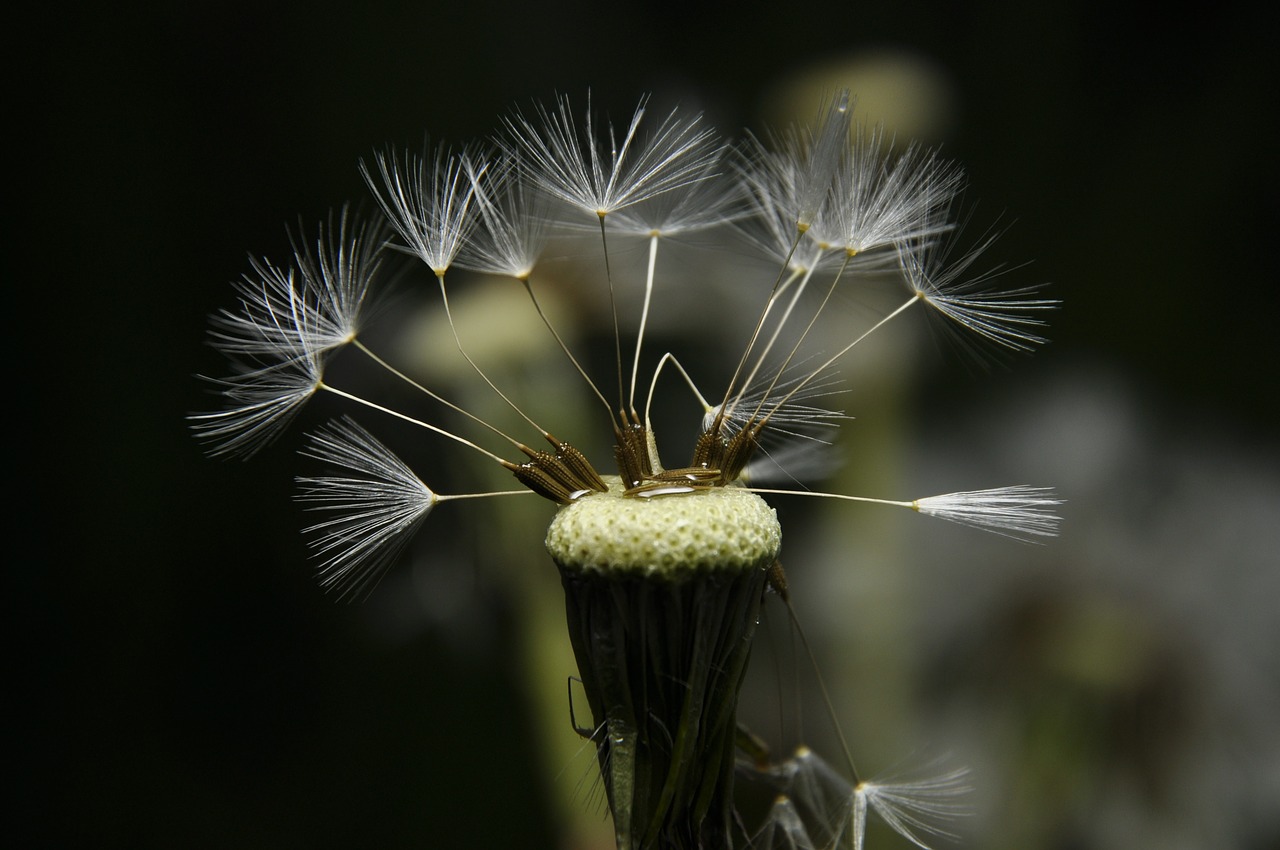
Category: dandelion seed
[515,222]
[708,200]
[796,418]
[288,322]
[792,463]
[337,274]
[915,808]
[263,401]
[772,181]
[602,175]
[821,794]
[878,201]
[1019,512]
[315,306]
[270,306]
[818,155]
[375,509]
[1009,318]
[428,200]
[825,808]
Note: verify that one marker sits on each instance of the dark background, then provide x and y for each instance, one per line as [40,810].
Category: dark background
[184,683]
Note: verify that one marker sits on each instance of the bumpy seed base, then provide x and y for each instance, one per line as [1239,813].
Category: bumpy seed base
[723,528]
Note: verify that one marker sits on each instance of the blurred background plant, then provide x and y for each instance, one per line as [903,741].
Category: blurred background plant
[184,681]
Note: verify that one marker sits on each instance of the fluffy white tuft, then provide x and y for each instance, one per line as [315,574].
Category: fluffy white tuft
[603,174]
[375,509]
[1009,318]
[315,305]
[820,808]
[262,401]
[1019,511]
[428,200]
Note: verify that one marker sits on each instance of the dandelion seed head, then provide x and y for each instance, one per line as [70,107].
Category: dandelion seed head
[664,567]
[689,530]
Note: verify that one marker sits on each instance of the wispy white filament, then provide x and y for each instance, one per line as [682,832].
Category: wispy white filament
[374,508]
[915,808]
[709,200]
[820,808]
[795,418]
[515,222]
[783,829]
[337,276]
[878,200]
[818,153]
[428,199]
[601,175]
[772,181]
[791,463]
[289,321]
[1010,318]
[272,309]
[1019,511]
[261,401]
